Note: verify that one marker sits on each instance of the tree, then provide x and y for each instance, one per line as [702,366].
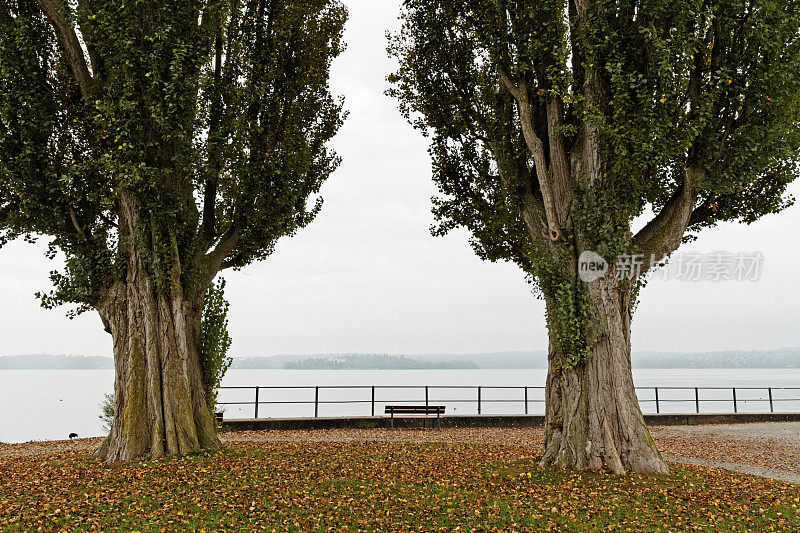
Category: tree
[555,124]
[157,143]
[214,341]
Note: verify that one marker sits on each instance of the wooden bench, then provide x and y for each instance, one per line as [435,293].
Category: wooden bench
[414,411]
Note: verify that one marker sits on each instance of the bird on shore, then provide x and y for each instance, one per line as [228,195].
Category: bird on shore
[72,436]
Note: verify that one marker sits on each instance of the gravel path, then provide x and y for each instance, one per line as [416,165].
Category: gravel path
[768,446]
[768,450]
[77,446]
[769,473]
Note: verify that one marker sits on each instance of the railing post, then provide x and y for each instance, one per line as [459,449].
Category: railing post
[526,399]
[255,415]
[426,396]
[770,400]
[373,401]
[735,410]
[316,402]
[658,410]
[479,399]
[697,399]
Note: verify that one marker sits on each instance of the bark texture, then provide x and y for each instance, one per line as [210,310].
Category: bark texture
[593,419]
[160,401]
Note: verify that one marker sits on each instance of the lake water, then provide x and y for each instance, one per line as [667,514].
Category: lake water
[50,404]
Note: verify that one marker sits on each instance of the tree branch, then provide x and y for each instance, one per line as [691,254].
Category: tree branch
[107,220]
[70,46]
[215,258]
[532,209]
[85,9]
[663,234]
[519,90]
[703,212]
[559,161]
[209,18]
[74,219]
[214,146]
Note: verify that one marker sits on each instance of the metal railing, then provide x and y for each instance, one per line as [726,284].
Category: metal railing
[772,396]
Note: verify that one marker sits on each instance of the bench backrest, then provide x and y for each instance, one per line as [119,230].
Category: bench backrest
[414,409]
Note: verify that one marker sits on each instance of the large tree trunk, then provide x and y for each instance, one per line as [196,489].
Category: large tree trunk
[160,400]
[593,419]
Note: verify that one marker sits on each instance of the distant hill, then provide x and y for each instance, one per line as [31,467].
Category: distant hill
[480,360]
[55,362]
[781,358]
[375,362]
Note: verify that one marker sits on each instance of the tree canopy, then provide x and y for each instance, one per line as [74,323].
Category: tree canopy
[208,119]
[685,103]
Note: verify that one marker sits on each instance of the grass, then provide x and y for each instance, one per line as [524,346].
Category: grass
[376,486]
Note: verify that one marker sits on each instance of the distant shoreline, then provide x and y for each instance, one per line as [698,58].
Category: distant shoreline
[415,369]
[785,358]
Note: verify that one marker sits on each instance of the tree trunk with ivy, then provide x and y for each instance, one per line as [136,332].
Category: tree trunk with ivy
[593,419]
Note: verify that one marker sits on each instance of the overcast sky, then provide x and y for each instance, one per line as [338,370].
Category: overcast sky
[366,276]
